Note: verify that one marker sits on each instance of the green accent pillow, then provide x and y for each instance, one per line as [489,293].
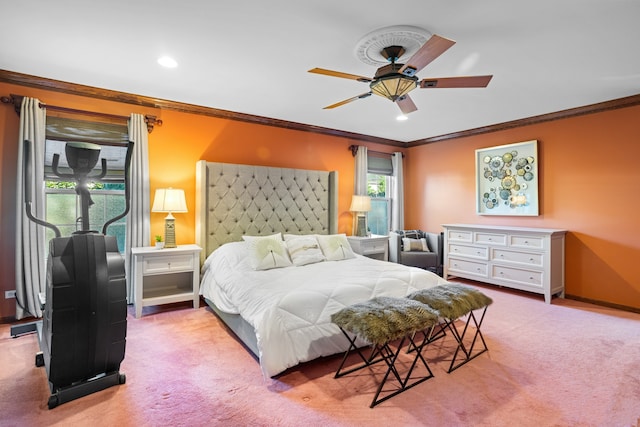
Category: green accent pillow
[335,247]
[267,252]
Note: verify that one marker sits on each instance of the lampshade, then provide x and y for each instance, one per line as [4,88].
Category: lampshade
[169,200]
[393,86]
[360,204]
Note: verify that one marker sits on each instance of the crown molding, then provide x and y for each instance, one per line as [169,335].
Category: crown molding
[127,98]
[145,101]
[615,104]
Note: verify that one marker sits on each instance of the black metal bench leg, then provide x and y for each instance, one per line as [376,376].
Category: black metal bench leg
[374,356]
[408,380]
[468,352]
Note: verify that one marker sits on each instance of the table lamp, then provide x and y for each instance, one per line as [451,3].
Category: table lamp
[169,200]
[360,205]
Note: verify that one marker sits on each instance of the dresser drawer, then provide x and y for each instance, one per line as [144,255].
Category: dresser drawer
[534,242]
[527,258]
[480,252]
[460,236]
[467,267]
[531,278]
[490,238]
[153,265]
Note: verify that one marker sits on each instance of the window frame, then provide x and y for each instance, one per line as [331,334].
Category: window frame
[64,130]
[375,197]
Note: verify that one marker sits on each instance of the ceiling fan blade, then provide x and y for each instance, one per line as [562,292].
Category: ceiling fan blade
[430,50]
[340,74]
[346,101]
[406,105]
[452,82]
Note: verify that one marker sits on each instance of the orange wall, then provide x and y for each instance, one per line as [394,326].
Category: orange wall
[174,149]
[589,178]
[588,181]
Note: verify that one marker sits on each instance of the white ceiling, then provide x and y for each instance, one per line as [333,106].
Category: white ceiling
[252,56]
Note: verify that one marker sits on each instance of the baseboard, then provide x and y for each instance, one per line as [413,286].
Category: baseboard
[603,303]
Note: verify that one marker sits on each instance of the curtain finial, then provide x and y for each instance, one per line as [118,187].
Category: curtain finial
[151,121]
[16,100]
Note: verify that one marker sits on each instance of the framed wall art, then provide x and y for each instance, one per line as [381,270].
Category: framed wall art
[507,179]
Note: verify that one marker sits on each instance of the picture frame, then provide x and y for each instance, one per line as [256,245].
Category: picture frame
[507,179]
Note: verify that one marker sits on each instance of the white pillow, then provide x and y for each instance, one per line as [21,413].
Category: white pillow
[335,247]
[267,252]
[303,250]
[414,245]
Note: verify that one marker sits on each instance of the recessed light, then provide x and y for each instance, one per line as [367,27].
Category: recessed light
[402,118]
[167,62]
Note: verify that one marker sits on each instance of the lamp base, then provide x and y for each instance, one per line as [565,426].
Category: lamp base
[169,232]
[360,226]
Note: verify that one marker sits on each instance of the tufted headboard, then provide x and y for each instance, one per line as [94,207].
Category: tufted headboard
[233,200]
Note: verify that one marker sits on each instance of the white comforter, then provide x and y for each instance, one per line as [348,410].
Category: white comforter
[290,308]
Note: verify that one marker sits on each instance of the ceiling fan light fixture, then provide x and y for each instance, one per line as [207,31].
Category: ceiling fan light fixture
[393,86]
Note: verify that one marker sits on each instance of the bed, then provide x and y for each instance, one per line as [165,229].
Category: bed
[282,314]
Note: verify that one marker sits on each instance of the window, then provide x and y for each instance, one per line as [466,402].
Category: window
[62,205]
[379,175]
[379,217]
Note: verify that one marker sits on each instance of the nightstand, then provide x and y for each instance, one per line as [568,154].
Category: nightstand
[164,276]
[376,247]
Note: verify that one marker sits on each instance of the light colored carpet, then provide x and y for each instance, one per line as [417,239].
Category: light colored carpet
[564,364]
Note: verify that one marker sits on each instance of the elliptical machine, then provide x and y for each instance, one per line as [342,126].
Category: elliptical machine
[83,331]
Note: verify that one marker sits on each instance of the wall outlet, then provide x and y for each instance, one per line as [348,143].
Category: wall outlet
[9,294]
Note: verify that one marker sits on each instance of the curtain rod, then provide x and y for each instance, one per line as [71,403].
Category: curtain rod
[354,151]
[16,100]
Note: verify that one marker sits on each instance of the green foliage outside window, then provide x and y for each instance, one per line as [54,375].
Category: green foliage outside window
[376,185]
[378,216]
[63,209]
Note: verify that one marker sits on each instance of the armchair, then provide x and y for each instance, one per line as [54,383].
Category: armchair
[429,260]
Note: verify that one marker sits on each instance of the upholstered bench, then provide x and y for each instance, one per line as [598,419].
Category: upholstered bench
[379,322]
[453,302]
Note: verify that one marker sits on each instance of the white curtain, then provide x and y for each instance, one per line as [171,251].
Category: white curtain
[30,237]
[138,221]
[362,168]
[397,193]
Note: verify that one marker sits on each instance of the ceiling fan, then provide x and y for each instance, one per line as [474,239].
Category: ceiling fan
[394,81]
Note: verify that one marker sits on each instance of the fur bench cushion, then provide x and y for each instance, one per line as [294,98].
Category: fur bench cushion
[451,300]
[385,319]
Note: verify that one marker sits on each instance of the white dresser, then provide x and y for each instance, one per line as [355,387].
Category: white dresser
[529,259]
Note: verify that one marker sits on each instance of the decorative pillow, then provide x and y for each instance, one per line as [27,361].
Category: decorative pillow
[335,247]
[303,250]
[267,252]
[414,245]
[412,234]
